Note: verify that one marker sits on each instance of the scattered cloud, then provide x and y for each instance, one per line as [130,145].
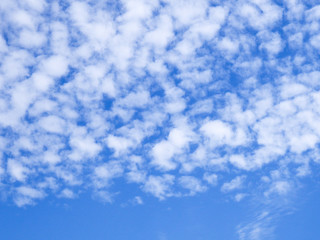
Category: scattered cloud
[176,97]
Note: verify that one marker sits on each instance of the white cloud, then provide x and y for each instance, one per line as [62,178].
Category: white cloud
[51,157]
[314,41]
[163,153]
[159,186]
[192,184]
[30,39]
[59,39]
[234,184]
[212,179]
[84,146]
[3,45]
[280,187]
[228,45]
[67,193]
[52,124]
[139,99]
[260,14]
[137,200]
[37,5]
[23,19]
[17,171]
[271,42]
[26,195]
[259,228]
[118,144]
[313,14]
[292,90]
[218,132]
[104,174]
[55,66]
[42,106]
[239,197]
[160,37]
[186,12]
[241,162]
[300,143]
[42,82]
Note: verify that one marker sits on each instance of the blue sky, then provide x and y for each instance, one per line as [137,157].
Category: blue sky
[149,119]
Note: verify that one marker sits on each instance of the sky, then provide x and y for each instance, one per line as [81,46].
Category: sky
[158,119]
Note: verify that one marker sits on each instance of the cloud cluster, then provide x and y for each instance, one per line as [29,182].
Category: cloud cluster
[175,96]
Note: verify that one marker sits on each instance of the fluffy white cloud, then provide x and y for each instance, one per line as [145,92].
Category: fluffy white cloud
[211,178]
[234,184]
[159,186]
[163,153]
[52,124]
[219,133]
[55,66]
[193,184]
[26,195]
[17,170]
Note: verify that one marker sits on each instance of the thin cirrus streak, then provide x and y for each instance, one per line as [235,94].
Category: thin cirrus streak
[175,96]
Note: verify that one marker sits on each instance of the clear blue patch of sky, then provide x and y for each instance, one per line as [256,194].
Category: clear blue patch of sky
[304,221]
[202,217]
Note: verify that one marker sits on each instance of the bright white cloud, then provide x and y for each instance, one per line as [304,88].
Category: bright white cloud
[52,124]
[17,170]
[55,66]
[159,186]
